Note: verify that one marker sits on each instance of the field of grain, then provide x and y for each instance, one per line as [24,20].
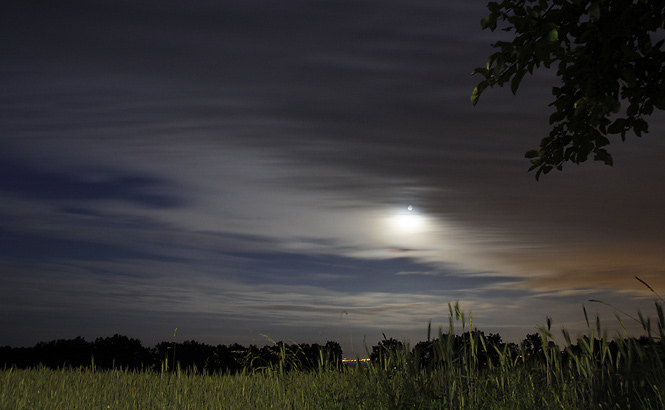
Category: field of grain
[593,372]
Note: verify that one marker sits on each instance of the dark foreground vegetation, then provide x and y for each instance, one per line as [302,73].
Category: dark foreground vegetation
[460,369]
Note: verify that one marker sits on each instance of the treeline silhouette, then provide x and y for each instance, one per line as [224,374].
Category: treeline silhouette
[489,350]
[127,353]
[425,352]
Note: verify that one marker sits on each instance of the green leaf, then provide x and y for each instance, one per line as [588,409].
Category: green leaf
[491,59]
[532,154]
[617,126]
[515,83]
[556,117]
[632,109]
[603,155]
[480,70]
[475,95]
[553,36]
[602,141]
[640,127]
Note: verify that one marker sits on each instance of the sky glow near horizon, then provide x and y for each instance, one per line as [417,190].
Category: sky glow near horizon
[245,169]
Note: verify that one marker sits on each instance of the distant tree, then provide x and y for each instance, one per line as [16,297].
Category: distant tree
[269,355]
[163,352]
[495,347]
[236,358]
[384,349]
[306,355]
[250,357]
[333,354]
[423,353]
[471,343]
[514,349]
[20,357]
[195,355]
[121,352]
[450,347]
[609,63]
[64,353]
[532,345]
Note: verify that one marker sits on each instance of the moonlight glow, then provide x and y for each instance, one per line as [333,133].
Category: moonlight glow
[407,222]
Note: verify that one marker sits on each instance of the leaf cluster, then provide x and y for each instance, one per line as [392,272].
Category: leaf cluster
[608,57]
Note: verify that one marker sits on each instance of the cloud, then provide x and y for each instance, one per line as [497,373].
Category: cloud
[85,185]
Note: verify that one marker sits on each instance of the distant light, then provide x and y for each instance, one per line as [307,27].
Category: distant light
[410,208]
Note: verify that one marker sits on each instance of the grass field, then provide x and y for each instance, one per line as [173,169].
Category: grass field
[593,373]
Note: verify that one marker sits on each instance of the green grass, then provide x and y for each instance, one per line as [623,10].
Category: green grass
[117,389]
[592,372]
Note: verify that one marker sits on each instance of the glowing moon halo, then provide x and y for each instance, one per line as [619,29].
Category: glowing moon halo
[408,223]
[406,227]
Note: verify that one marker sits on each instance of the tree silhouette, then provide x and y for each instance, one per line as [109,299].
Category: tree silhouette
[532,345]
[384,349]
[610,66]
[423,353]
[121,352]
[333,354]
[64,353]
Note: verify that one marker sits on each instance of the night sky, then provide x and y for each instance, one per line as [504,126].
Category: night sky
[243,170]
